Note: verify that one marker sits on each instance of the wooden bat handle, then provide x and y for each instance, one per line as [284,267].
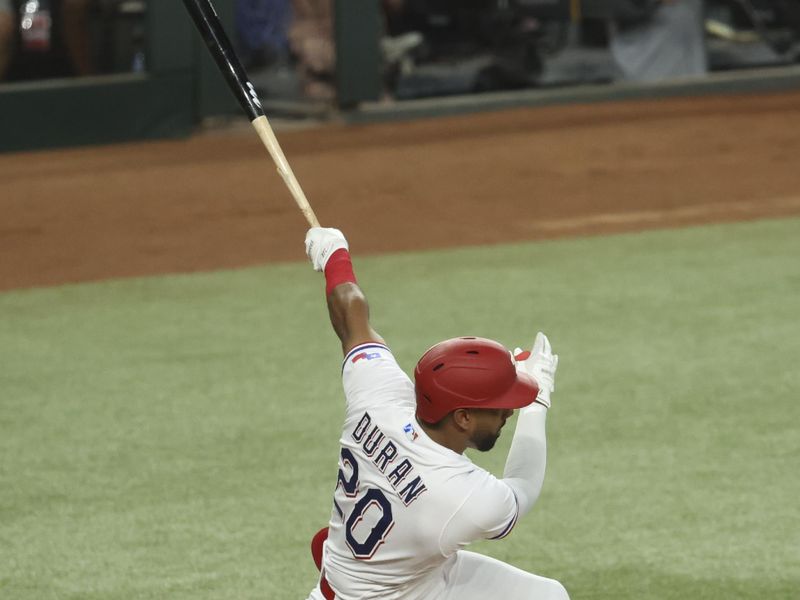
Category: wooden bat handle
[264,130]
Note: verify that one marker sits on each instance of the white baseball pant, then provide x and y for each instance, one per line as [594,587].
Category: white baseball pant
[472,576]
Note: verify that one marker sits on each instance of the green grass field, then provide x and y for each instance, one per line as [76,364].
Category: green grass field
[176,437]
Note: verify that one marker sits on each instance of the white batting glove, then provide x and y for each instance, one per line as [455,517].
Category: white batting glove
[321,243]
[541,364]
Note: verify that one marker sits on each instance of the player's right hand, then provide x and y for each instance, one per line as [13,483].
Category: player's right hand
[541,364]
[321,243]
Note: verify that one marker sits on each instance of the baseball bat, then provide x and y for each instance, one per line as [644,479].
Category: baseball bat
[207,22]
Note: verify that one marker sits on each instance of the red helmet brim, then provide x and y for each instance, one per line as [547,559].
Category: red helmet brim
[521,393]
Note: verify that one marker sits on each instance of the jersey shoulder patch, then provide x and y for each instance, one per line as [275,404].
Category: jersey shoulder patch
[372,377]
[365,352]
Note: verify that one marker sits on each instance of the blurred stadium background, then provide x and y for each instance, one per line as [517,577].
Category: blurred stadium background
[621,174]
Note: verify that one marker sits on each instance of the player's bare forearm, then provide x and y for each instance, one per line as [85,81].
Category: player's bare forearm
[328,251]
[349,313]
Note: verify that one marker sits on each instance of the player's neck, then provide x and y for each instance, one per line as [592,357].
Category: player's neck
[445,437]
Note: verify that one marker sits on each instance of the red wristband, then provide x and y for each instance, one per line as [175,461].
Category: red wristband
[338,270]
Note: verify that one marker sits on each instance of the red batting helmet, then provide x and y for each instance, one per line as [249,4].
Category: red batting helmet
[469,372]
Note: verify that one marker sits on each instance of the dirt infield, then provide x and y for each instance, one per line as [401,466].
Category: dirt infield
[215,201]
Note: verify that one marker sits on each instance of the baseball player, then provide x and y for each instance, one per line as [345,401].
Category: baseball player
[407,500]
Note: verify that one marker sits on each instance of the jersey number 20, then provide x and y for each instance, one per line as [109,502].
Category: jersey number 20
[371,499]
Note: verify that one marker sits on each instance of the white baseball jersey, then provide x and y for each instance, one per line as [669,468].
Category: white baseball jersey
[403,504]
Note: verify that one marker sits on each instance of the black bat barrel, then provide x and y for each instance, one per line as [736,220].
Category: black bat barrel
[207,22]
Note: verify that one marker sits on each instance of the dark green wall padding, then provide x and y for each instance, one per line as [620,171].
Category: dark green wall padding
[182,85]
[180,88]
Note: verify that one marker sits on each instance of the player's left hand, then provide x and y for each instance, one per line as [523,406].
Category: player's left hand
[541,364]
[321,243]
